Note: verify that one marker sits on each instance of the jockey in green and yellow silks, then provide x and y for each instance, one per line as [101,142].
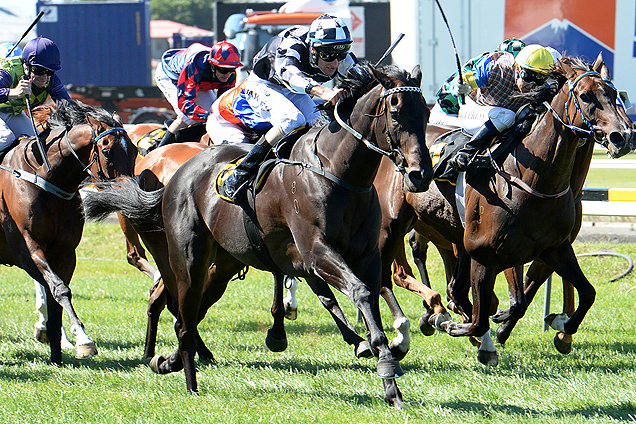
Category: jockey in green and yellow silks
[33,75]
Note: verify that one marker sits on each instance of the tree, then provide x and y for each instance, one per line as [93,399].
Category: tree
[196,13]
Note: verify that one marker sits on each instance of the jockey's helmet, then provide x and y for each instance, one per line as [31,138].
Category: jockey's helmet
[42,52]
[535,58]
[225,55]
[511,45]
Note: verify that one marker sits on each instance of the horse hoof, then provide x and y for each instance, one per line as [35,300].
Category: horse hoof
[41,336]
[426,328]
[563,343]
[488,358]
[85,351]
[363,350]
[156,362]
[274,344]
[389,369]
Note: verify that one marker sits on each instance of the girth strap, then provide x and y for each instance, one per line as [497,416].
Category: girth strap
[40,182]
[252,229]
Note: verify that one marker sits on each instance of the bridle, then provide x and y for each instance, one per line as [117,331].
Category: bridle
[393,153]
[101,175]
[594,132]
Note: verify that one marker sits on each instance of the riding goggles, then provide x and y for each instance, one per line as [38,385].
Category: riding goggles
[225,70]
[40,71]
[532,77]
[331,56]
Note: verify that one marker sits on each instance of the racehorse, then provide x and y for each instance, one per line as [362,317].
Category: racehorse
[510,220]
[41,212]
[317,214]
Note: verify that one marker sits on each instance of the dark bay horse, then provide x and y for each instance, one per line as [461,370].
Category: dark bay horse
[514,220]
[41,212]
[318,214]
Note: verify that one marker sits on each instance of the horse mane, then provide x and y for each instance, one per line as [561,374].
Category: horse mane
[360,80]
[70,113]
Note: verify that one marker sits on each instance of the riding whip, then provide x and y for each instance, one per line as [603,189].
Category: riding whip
[26,32]
[390,49]
[35,130]
[459,65]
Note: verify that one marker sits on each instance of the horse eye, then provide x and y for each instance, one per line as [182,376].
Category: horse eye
[586,97]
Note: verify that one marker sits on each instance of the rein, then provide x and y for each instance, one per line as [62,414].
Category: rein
[94,153]
[394,154]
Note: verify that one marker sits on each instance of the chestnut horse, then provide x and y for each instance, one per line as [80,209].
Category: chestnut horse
[317,212]
[531,216]
[42,218]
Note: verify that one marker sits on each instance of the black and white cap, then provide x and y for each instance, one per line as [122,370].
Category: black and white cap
[328,30]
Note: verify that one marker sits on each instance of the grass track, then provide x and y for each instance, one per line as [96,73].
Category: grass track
[317,379]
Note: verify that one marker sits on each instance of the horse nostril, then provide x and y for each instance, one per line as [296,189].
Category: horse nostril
[617,139]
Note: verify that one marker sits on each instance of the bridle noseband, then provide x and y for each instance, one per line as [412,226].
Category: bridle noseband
[394,154]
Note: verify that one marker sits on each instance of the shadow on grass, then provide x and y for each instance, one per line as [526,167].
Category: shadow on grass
[622,411]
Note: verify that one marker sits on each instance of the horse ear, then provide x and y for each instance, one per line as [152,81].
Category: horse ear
[94,124]
[117,118]
[416,73]
[384,79]
[600,67]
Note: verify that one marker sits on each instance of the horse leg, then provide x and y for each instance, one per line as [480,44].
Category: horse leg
[40,332]
[361,347]
[518,303]
[459,286]
[419,249]
[563,341]
[156,303]
[536,275]
[276,339]
[135,252]
[331,267]
[54,330]
[61,292]
[401,343]
[563,260]
[290,301]
[434,313]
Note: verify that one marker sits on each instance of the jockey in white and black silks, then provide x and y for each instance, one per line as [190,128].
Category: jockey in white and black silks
[287,72]
[32,74]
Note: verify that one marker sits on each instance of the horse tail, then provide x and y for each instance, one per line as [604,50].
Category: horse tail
[124,195]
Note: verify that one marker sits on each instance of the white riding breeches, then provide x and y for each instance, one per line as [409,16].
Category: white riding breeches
[13,126]
[472,116]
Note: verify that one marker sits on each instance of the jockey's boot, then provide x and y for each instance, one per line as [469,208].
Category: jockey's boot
[234,186]
[168,138]
[482,137]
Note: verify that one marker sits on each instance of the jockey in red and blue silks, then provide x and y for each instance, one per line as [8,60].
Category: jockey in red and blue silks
[189,78]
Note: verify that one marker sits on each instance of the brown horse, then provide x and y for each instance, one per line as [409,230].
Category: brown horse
[42,218]
[510,221]
[317,213]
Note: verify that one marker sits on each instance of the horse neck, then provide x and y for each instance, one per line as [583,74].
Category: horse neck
[549,163]
[67,172]
[349,158]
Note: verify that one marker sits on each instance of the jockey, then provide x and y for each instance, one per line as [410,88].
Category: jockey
[188,78]
[489,87]
[33,75]
[287,72]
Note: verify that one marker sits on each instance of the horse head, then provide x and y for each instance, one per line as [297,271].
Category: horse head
[592,109]
[406,116]
[114,154]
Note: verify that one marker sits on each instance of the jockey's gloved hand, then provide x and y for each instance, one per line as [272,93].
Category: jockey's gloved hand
[360,72]
[459,88]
